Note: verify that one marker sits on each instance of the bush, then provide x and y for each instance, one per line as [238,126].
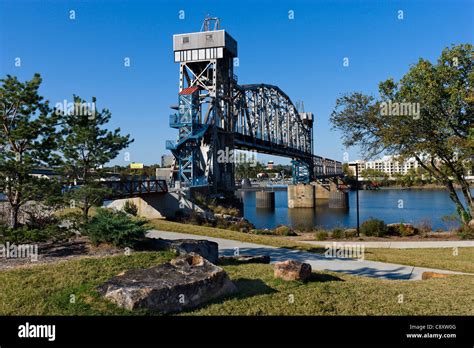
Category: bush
[373,228]
[25,234]
[350,233]
[424,226]
[337,233]
[116,228]
[130,208]
[283,230]
[465,232]
[321,235]
[402,230]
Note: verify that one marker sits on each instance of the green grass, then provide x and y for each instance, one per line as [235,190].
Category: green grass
[442,258]
[47,289]
[339,294]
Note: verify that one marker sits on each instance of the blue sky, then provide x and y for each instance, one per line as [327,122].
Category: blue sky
[303,56]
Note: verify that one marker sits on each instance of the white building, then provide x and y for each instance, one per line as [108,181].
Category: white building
[389,165]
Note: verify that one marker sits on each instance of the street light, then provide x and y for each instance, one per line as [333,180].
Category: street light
[356,165]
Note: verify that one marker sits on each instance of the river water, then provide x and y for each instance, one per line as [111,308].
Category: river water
[390,205]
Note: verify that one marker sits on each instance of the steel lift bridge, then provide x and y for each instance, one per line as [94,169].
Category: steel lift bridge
[216,115]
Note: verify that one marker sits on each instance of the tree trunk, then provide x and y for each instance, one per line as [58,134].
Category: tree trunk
[85,210]
[461,210]
[14,209]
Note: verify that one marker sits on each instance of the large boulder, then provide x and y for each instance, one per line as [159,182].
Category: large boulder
[185,282]
[292,270]
[207,249]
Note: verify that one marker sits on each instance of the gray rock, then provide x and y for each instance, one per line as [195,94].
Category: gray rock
[244,259]
[207,249]
[183,283]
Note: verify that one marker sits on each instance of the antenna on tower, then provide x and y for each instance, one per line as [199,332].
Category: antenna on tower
[210,22]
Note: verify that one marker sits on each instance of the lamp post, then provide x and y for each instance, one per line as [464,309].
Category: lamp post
[356,165]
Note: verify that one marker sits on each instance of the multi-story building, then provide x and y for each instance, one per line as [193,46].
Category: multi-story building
[389,165]
[166,161]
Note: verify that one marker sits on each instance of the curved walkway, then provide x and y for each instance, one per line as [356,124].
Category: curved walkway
[318,262]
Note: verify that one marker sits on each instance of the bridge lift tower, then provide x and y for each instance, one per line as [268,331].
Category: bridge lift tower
[203,120]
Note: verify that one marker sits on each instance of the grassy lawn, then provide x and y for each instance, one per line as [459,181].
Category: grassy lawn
[442,258]
[432,258]
[47,289]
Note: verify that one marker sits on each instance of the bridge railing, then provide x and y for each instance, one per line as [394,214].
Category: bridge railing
[128,188]
[136,187]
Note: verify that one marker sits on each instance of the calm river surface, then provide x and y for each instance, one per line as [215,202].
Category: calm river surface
[415,205]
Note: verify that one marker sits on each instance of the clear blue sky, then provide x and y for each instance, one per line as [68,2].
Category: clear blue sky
[303,56]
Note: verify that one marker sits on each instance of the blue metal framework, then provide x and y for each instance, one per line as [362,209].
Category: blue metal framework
[190,135]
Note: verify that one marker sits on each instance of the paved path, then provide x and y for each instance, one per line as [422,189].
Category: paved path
[319,262]
[401,245]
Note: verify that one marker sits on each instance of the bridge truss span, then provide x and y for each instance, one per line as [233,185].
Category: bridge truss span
[217,115]
[264,114]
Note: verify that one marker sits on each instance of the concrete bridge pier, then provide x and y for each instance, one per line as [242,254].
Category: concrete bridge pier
[337,199]
[301,196]
[310,195]
[265,199]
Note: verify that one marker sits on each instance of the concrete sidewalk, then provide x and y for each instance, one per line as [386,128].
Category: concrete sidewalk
[401,244]
[318,262]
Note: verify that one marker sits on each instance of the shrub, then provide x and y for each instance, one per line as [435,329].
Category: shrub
[321,235]
[373,227]
[116,228]
[465,232]
[350,233]
[283,230]
[401,229]
[130,208]
[24,234]
[337,233]
[424,226]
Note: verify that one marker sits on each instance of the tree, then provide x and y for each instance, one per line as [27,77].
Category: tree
[86,148]
[28,137]
[427,115]
[374,175]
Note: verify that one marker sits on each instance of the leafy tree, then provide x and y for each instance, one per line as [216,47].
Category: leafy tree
[439,136]
[373,174]
[28,137]
[86,148]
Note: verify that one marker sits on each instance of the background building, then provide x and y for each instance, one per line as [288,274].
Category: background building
[166,161]
[389,165]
